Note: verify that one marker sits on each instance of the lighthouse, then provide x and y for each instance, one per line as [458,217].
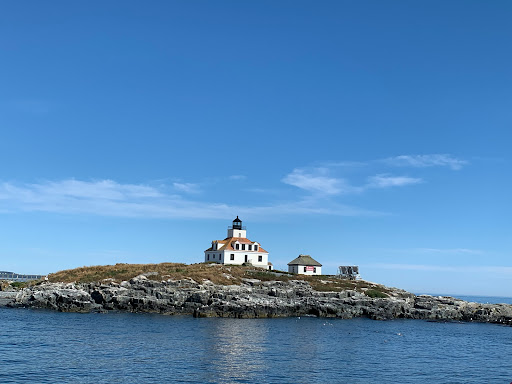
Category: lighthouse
[237,249]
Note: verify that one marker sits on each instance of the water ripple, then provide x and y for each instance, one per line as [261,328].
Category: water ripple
[51,347]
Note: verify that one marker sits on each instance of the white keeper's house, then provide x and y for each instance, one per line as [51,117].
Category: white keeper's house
[237,249]
[305,265]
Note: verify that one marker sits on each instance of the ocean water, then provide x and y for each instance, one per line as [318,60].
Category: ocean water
[39,346]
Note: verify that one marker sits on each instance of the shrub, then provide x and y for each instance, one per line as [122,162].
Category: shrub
[374,294]
[19,284]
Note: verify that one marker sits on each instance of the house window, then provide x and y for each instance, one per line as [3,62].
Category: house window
[237,246]
[250,247]
[305,269]
[260,258]
[246,259]
[220,256]
[213,255]
[255,247]
[243,247]
[232,257]
[208,257]
[314,270]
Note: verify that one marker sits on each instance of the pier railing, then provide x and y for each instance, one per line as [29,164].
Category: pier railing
[18,277]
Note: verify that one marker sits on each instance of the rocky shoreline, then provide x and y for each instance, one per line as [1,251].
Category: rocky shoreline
[252,299]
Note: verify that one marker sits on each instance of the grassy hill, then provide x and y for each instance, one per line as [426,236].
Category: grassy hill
[216,273]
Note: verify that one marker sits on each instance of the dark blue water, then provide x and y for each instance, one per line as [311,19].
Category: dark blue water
[51,347]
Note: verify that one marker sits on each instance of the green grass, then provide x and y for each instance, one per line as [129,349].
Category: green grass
[373,293]
[19,284]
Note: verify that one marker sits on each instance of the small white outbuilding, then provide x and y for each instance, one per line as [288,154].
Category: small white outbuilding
[305,265]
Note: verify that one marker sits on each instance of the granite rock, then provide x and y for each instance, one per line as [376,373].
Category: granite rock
[251,299]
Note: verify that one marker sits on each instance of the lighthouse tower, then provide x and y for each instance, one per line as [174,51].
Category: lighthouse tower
[237,230]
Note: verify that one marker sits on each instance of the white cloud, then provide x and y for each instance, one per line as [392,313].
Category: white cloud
[317,181]
[330,179]
[308,207]
[102,189]
[346,164]
[423,161]
[186,187]
[385,181]
[120,200]
[108,198]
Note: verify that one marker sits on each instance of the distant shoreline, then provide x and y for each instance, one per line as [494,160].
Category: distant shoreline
[483,299]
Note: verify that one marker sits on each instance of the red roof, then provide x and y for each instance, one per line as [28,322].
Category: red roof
[227,244]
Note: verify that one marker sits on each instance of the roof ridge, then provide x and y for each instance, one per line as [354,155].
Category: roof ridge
[305,260]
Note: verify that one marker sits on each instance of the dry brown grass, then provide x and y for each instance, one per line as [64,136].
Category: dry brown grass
[332,284]
[324,283]
[216,273]
[3,285]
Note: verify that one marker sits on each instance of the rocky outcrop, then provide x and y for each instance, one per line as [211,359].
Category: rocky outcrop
[7,297]
[252,299]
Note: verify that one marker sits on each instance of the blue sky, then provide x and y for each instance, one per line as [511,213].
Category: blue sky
[370,133]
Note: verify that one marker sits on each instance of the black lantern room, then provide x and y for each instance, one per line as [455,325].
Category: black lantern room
[237,223]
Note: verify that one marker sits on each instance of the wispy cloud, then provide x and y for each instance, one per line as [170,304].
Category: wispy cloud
[423,161]
[345,164]
[109,198]
[317,180]
[324,186]
[331,177]
[102,189]
[103,197]
[186,187]
[386,181]
[414,161]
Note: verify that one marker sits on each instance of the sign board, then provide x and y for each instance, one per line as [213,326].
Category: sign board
[310,269]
